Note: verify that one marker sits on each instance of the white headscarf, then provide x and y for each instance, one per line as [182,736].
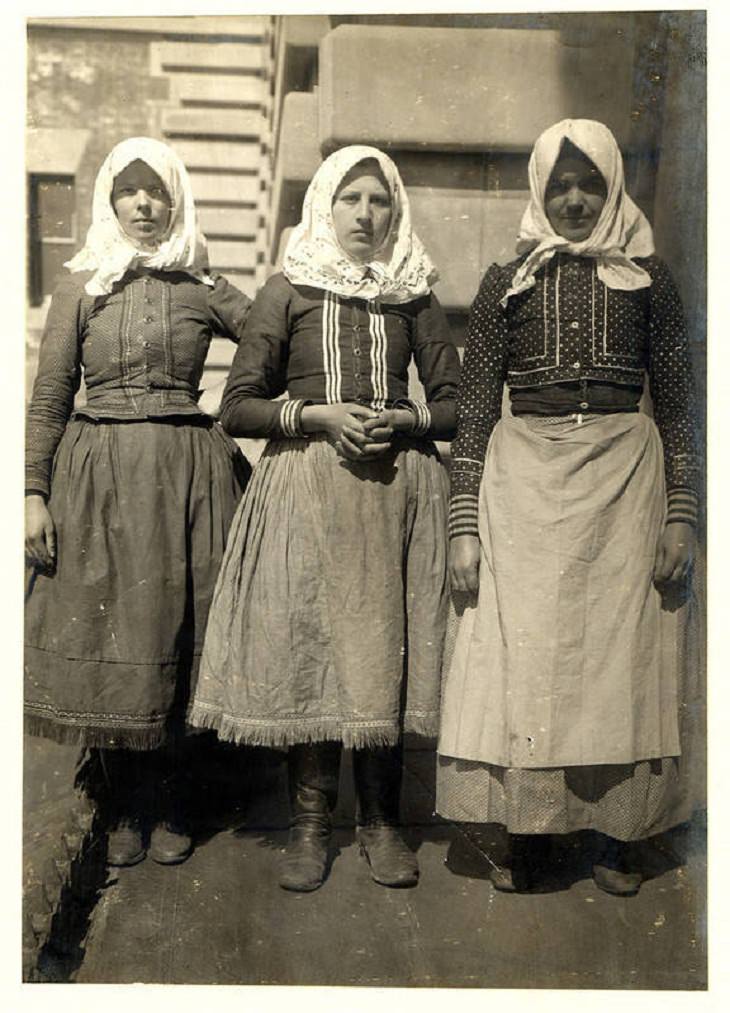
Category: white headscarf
[622,231]
[400,270]
[109,251]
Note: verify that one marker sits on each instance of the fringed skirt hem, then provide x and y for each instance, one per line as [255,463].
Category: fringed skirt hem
[282,733]
[95,736]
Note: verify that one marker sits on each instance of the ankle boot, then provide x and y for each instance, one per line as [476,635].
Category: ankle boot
[378,775]
[170,840]
[618,869]
[122,806]
[314,773]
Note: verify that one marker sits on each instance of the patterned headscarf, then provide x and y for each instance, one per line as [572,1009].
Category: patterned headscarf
[109,251]
[622,231]
[400,270]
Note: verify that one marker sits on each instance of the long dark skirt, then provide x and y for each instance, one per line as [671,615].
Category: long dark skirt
[114,635]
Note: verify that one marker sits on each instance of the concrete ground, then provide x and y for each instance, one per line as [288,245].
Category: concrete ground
[220,918]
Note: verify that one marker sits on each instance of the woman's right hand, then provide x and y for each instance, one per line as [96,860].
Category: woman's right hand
[40,533]
[343,424]
[464,555]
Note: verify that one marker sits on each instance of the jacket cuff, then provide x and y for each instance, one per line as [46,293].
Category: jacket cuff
[38,485]
[290,417]
[422,413]
[464,515]
[682,505]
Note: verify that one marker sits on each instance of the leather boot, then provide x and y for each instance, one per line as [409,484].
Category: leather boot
[378,773]
[122,806]
[618,869]
[314,774]
[170,840]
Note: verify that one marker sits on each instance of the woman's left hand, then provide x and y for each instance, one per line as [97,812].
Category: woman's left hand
[392,420]
[675,552]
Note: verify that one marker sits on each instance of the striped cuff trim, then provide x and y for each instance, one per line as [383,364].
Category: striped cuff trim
[463,515]
[682,505]
[290,416]
[422,413]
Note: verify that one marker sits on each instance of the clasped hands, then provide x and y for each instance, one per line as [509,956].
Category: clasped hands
[358,433]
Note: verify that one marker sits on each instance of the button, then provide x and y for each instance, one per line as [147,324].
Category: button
[583,404]
[356,327]
[148,320]
[574,325]
[148,386]
[356,351]
[576,365]
[146,344]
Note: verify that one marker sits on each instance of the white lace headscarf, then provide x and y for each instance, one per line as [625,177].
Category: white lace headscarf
[622,231]
[399,271]
[109,251]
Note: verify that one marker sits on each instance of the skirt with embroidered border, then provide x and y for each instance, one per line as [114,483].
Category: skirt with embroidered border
[113,637]
[564,793]
[328,617]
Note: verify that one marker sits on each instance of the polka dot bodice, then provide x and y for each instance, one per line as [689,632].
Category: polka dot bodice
[570,327]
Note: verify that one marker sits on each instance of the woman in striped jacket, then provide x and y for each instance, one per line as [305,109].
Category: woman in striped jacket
[327,622]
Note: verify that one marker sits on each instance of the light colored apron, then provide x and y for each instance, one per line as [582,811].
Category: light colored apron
[569,656]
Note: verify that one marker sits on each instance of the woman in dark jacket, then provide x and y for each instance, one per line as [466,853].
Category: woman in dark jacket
[129,497]
[327,622]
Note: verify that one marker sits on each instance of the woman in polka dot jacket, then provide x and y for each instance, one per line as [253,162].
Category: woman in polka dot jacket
[574,518]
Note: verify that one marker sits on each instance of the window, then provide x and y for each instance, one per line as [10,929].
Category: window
[51,231]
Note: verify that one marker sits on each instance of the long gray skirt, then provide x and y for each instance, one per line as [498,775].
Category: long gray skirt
[328,617]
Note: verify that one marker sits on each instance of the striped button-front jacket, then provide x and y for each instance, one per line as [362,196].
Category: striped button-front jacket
[142,349]
[570,328]
[323,349]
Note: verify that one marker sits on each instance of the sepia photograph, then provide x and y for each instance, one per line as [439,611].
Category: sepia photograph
[365,501]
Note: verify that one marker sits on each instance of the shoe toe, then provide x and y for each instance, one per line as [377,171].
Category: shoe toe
[620,884]
[502,879]
[169,846]
[125,846]
[391,861]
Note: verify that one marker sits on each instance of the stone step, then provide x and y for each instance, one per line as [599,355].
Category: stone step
[225,56]
[228,222]
[218,88]
[225,189]
[213,122]
[241,256]
[202,155]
